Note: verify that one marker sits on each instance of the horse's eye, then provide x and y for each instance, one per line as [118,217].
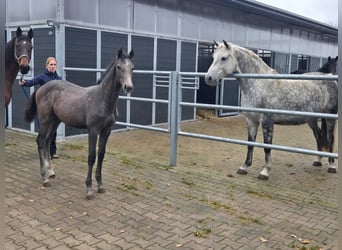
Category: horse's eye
[118,66]
[223,59]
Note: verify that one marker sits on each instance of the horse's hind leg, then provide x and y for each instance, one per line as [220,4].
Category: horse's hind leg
[44,161]
[331,139]
[253,125]
[267,129]
[102,149]
[317,134]
[92,139]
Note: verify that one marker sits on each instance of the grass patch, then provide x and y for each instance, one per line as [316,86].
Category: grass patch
[259,193]
[247,219]
[202,232]
[68,146]
[78,158]
[188,182]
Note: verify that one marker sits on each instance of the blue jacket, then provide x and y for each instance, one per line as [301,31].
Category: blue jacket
[42,78]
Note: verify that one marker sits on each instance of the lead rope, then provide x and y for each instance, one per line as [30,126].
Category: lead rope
[27,97]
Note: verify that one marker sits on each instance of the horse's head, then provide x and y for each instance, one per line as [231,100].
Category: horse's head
[332,65]
[224,63]
[23,49]
[124,69]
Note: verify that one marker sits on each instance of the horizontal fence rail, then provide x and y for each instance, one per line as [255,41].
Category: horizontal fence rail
[177,81]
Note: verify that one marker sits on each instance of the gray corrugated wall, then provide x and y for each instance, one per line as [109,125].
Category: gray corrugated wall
[110,44]
[141,112]
[80,52]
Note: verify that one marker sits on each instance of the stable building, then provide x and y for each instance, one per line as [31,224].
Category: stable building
[166,35]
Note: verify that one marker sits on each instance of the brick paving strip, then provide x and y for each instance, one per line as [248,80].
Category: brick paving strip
[199,204]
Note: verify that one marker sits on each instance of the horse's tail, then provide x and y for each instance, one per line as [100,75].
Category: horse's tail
[31,108]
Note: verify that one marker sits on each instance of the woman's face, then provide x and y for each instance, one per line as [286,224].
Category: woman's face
[51,66]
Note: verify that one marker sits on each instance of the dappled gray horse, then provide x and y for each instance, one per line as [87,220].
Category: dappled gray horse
[299,95]
[93,108]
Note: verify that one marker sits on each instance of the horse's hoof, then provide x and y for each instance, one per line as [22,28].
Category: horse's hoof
[47,184]
[242,171]
[332,170]
[90,196]
[52,174]
[317,164]
[101,190]
[262,177]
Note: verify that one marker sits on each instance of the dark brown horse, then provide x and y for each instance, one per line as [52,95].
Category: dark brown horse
[17,57]
[92,108]
[329,67]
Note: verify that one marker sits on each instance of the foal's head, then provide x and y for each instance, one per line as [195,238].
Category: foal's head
[23,49]
[124,69]
[224,63]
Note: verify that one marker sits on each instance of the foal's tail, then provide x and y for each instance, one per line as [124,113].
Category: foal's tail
[31,108]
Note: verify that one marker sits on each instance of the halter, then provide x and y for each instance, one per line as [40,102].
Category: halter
[18,58]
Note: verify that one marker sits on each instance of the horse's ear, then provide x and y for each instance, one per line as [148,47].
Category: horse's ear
[226,44]
[131,54]
[19,32]
[120,53]
[216,44]
[336,58]
[30,33]
[329,58]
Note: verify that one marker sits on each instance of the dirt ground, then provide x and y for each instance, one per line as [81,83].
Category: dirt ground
[201,203]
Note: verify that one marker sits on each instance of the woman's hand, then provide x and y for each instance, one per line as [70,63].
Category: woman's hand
[21,82]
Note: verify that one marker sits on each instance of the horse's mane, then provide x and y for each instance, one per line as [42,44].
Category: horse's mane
[246,54]
[9,51]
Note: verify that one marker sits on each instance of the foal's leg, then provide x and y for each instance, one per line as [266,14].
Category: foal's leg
[253,125]
[43,157]
[317,134]
[331,138]
[92,139]
[44,138]
[267,129]
[101,152]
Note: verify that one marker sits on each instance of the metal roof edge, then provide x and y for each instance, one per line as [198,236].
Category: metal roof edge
[282,15]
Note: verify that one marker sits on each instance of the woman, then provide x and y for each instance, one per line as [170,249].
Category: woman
[41,79]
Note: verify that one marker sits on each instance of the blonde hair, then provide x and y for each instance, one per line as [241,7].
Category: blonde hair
[49,59]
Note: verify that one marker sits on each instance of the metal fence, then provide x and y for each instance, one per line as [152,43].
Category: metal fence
[177,82]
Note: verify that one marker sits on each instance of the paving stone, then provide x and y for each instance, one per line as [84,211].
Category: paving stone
[199,204]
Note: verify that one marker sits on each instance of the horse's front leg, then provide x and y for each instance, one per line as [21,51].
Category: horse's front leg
[253,125]
[267,129]
[101,152]
[92,139]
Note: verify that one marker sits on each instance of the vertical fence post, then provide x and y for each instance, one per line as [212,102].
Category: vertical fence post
[174,118]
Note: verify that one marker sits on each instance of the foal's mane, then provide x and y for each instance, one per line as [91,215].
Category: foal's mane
[104,74]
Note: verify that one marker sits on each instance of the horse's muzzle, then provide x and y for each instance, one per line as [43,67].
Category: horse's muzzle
[210,81]
[24,69]
[127,88]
